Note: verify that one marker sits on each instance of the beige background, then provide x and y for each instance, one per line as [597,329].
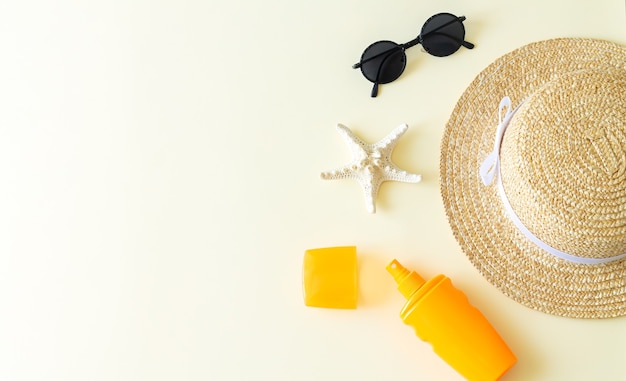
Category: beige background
[160,162]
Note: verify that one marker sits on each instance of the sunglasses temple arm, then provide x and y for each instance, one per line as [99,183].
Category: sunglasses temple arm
[458,19]
[419,38]
[466,44]
[358,64]
[374,90]
[407,45]
[380,68]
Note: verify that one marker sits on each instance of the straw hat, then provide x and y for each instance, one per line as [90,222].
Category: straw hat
[533,176]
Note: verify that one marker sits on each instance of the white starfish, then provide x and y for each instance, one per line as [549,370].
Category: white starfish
[371,164]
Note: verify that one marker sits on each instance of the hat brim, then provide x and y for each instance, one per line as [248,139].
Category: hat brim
[502,254]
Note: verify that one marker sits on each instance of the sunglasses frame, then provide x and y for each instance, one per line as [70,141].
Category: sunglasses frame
[422,39]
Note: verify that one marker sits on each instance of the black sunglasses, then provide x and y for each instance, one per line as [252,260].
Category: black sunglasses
[384,61]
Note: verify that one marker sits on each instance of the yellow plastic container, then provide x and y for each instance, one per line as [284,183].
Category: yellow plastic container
[458,332]
[330,277]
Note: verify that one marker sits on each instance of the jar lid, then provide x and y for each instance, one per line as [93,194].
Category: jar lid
[330,277]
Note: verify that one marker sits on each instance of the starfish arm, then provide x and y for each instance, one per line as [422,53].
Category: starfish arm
[345,172]
[393,172]
[357,146]
[388,143]
[370,191]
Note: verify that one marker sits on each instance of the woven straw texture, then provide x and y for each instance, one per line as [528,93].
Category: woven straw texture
[563,170]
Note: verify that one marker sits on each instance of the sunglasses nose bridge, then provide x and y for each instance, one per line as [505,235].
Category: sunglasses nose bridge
[417,40]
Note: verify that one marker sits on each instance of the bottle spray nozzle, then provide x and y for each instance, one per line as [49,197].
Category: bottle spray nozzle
[408,281]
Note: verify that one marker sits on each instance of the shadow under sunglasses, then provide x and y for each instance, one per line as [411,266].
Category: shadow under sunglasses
[384,61]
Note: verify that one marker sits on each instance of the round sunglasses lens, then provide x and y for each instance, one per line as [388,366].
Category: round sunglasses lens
[383,62]
[442,34]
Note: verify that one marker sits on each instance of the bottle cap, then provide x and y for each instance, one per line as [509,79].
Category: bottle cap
[330,277]
[408,281]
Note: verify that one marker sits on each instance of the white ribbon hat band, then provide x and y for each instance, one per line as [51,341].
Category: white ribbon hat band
[490,168]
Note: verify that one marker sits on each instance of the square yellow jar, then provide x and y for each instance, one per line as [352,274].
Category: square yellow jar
[330,277]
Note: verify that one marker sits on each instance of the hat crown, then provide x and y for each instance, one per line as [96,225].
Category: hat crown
[605,151]
[555,164]
[563,163]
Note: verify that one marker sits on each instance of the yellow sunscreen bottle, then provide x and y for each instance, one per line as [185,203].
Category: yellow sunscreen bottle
[457,331]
